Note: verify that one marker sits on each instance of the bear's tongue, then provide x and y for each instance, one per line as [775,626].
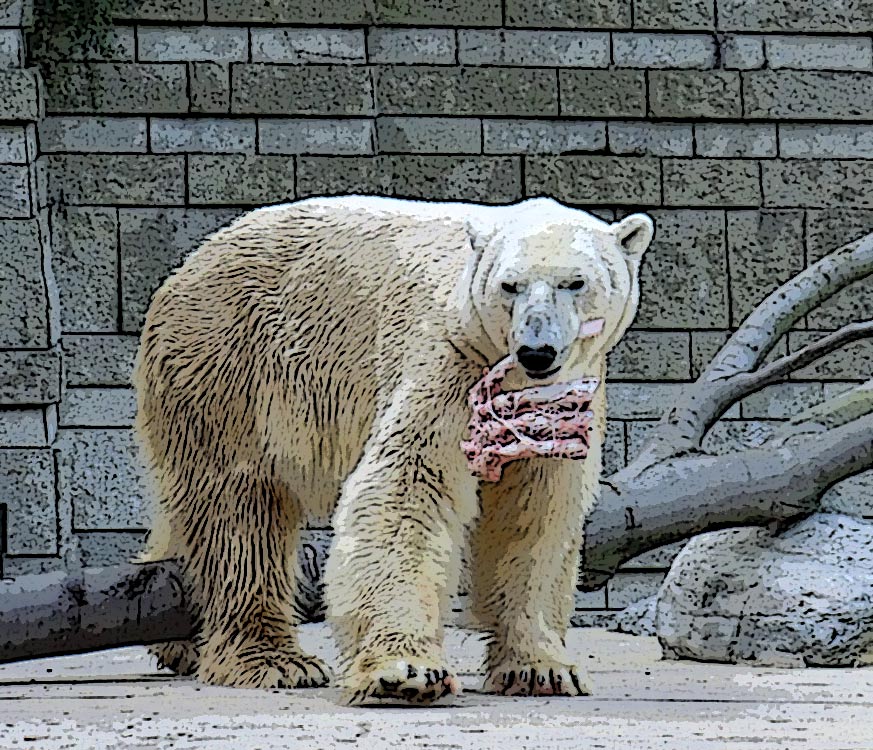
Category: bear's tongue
[590,328]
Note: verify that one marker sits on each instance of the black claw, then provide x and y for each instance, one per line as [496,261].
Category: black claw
[554,682]
[576,684]
[389,685]
[411,672]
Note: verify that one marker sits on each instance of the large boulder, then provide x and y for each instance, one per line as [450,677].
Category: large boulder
[799,597]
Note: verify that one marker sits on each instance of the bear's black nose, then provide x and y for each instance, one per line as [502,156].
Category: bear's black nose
[536,360]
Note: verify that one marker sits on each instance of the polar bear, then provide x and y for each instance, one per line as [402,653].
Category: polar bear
[312,361]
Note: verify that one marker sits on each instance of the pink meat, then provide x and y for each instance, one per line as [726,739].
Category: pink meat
[551,421]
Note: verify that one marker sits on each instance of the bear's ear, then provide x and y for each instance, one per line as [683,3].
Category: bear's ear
[634,234]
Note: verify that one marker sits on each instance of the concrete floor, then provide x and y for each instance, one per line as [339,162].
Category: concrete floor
[117,699]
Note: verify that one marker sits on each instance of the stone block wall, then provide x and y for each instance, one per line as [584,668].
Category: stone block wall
[745,129]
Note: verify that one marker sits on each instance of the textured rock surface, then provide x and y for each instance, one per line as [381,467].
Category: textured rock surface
[747,596]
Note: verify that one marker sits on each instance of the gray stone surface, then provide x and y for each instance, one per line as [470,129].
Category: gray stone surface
[300,46]
[288,11]
[569,13]
[695,51]
[640,400]
[153,242]
[92,134]
[15,199]
[66,44]
[236,179]
[625,588]
[206,135]
[27,487]
[19,98]
[802,597]
[807,95]
[430,135]
[101,548]
[817,183]
[118,179]
[210,88]
[613,447]
[652,139]
[11,48]
[428,90]
[85,262]
[30,377]
[534,48]
[781,400]
[651,355]
[543,136]
[315,136]
[488,179]
[827,141]
[183,44]
[290,89]
[853,496]
[161,10]
[122,88]
[23,428]
[687,15]
[15,140]
[91,360]
[819,53]
[683,277]
[96,467]
[638,618]
[694,94]
[411,46]
[851,362]
[797,15]
[766,249]
[736,139]
[742,52]
[737,434]
[23,303]
[631,180]
[97,407]
[603,93]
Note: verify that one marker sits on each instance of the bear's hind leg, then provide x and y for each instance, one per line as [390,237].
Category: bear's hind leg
[241,557]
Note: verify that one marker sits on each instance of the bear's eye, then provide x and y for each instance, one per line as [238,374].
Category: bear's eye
[509,288]
[574,286]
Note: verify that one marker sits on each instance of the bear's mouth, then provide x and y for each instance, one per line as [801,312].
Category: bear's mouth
[542,375]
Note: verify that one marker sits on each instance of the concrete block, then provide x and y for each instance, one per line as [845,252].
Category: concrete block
[827,231]
[742,52]
[14,144]
[595,179]
[596,14]
[819,53]
[487,179]
[572,49]
[706,344]
[429,135]
[300,46]
[640,400]
[425,90]
[103,548]
[543,136]
[23,301]
[817,183]
[694,51]
[627,588]
[85,263]
[678,15]
[731,140]
[442,13]
[765,250]
[23,428]
[206,135]
[291,89]
[603,93]
[651,139]
[118,179]
[210,88]
[161,10]
[192,43]
[852,362]
[411,46]
[290,11]
[123,88]
[613,446]
[153,243]
[711,182]
[683,281]
[93,134]
[798,15]
[16,12]
[98,360]
[781,400]
[237,179]
[15,199]
[98,407]
[27,486]
[11,48]
[807,95]
[19,95]
[30,377]
[694,94]
[827,141]
[100,476]
[648,355]
[117,44]
[315,136]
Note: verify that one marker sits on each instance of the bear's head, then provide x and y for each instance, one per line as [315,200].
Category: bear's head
[558,287]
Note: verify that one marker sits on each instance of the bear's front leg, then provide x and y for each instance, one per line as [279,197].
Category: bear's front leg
[525,560]
[395,557]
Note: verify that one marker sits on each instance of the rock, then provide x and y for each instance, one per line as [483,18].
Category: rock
[638,618]
[801,597]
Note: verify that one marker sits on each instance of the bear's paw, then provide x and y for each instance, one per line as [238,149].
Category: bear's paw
[396,680]
[537,679]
